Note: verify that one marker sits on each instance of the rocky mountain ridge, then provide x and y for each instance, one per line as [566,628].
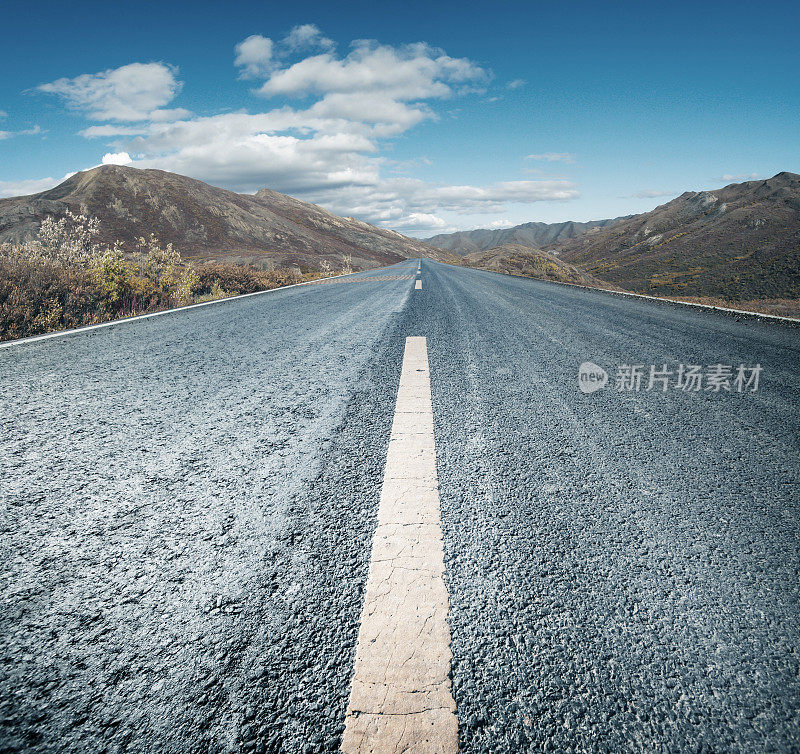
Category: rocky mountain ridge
[533,235]
[204,222]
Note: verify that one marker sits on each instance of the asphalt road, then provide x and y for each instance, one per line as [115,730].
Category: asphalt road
[187,505]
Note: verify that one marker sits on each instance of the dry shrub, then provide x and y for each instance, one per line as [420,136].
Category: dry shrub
[62,279]
[42,297]
[218,278]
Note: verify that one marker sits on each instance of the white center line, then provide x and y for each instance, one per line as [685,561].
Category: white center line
[418,285]
[401,700]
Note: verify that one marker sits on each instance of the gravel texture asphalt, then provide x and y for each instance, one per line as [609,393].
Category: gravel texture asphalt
[186,510]
[624,568]
[187,504]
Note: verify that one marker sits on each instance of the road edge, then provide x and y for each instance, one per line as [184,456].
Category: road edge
[794,321]
[138,317]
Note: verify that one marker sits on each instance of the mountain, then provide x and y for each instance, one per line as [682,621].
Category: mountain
[532,235]
[736,244]
[205,222]
[740,242]
[516,259]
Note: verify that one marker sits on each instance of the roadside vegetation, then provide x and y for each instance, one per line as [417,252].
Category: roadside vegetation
[513,259]
[64,279]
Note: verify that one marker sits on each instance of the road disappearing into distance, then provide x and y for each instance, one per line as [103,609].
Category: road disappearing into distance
[207,516]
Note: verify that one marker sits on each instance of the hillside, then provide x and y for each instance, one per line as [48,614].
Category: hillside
[532,235]
[209,223]
[738,243]
[515,259]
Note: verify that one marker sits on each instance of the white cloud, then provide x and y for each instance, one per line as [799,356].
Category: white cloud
[330,149]
[552,157]
[167,114]
[401,202]
[247,162]
[258,56]
[491,198]
[653,193]
[415,222]
[740,177]
[307,37]
[32,186]
[379,84]
[3,114]
[103,132]
[130,93]
[516,84]
[389,116]
[408,73]
[254,56]
[331,161]
[35,131]
[117,158]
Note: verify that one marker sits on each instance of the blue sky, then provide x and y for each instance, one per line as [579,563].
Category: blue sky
[421,116]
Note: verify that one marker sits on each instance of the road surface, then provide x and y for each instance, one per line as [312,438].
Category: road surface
[188,503]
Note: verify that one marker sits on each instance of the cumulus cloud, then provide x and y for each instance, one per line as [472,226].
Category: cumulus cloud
[415,205]
[117,158]
[254,56]
[324,136]
[407,73]
[236,151]
[258,56]
[374,83]
[3,114]
[330,161]
[552,157]
[421,221]
[130,93]
[516,84]
[388,116]
[307,37]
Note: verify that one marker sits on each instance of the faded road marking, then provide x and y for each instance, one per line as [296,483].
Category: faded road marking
[401,698]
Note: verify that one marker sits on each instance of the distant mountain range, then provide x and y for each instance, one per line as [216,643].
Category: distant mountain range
[204,222]
[737,243]
[532,235]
